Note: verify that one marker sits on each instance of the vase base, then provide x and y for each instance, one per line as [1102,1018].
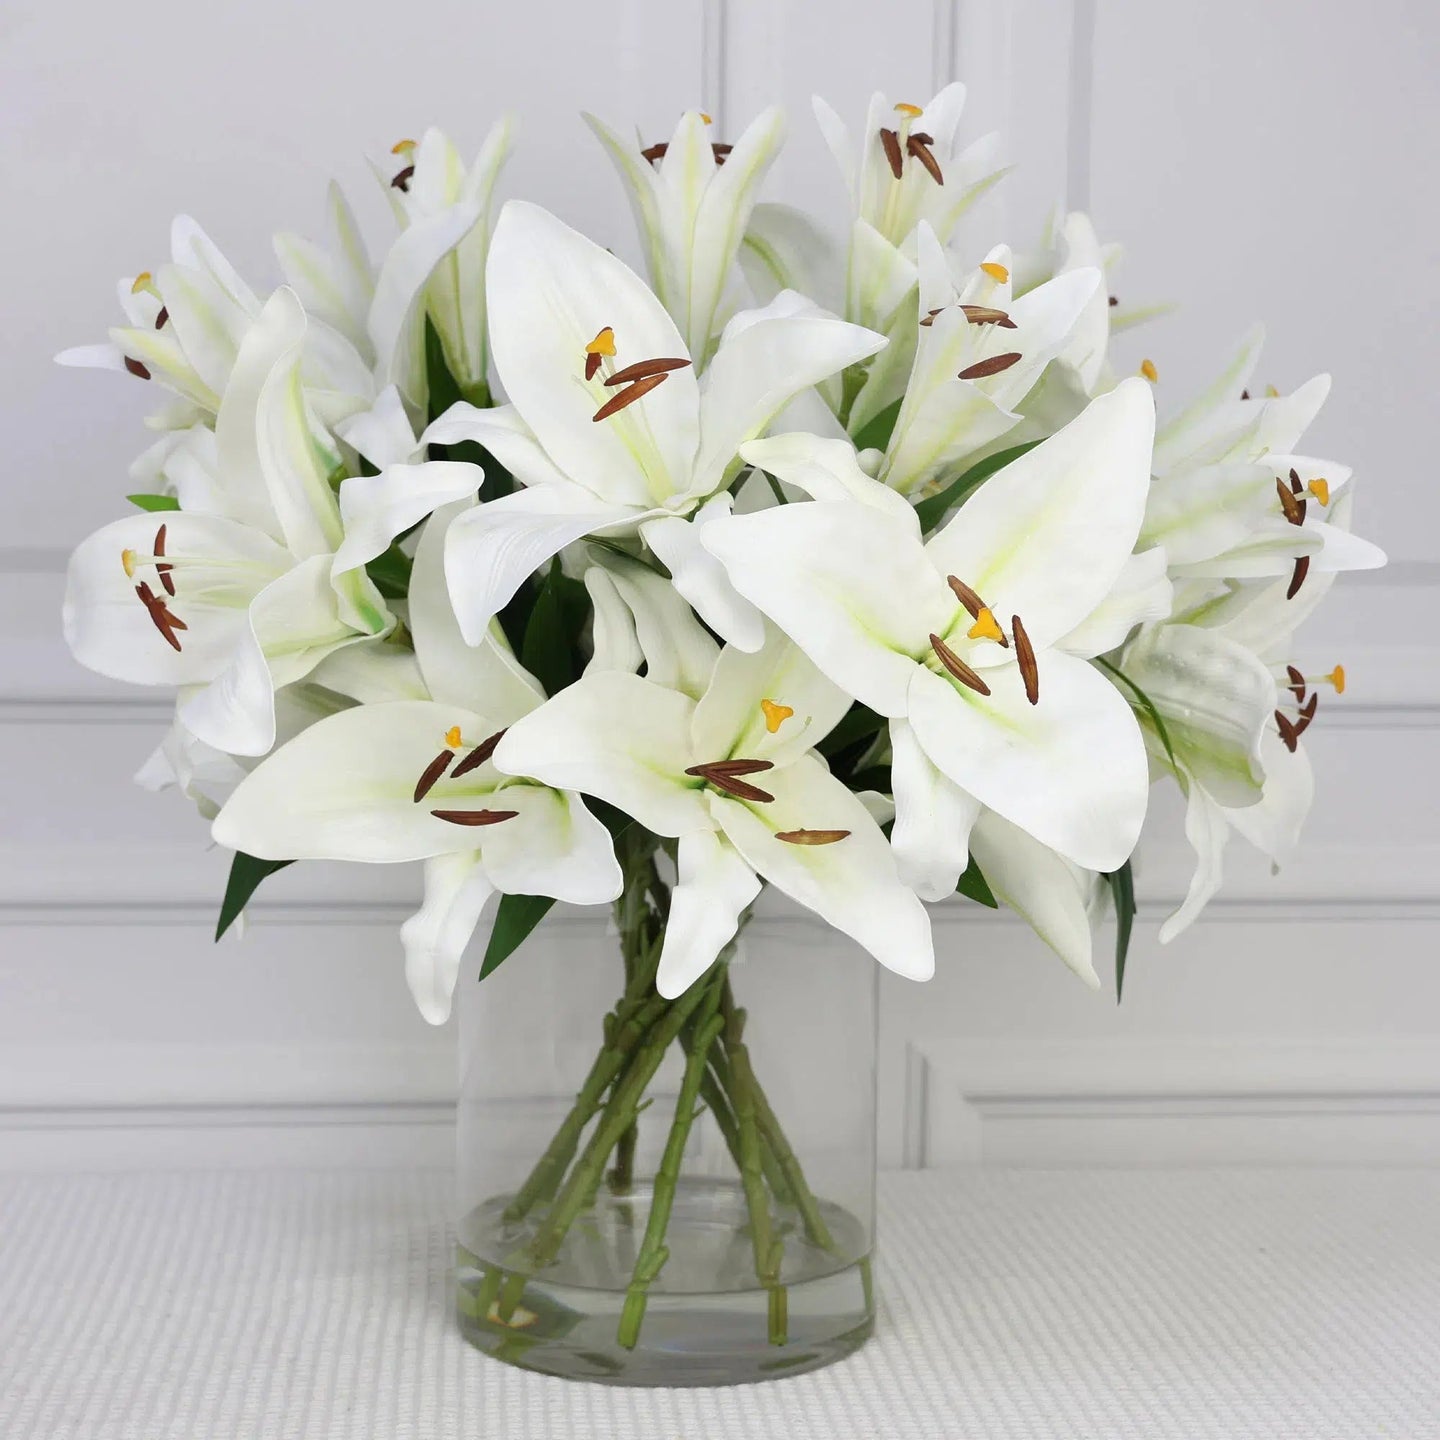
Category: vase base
[711,1324]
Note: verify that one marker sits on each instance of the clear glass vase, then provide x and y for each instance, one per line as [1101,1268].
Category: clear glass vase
[660,1192]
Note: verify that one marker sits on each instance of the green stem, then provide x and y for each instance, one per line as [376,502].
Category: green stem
[769,1250]
[653,1250]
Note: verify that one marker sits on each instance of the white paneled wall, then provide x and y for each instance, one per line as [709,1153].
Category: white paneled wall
[1259,161]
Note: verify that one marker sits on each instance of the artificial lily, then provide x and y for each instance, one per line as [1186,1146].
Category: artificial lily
[980,352]
[731,775]
[401,780]
[235,594]
[978,716]
[692,199]
[1232,499]
[432,185]
[608,428]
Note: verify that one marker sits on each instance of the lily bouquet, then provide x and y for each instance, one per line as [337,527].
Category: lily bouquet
[844,564]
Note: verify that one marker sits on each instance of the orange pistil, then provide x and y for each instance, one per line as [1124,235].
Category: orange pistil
[995,270]
[775,714]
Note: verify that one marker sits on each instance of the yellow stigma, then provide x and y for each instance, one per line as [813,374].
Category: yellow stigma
[127,559]
[402,147]
[775,714]
[452,737]
[143,281]
[706,118]
[1320,489]
[1148,370]
[995,271]
[603,343]
[913,111]
[985,627]
[1271,393]
[1337,678]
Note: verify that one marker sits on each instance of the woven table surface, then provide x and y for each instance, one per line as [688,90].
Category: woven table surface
[1182,1304]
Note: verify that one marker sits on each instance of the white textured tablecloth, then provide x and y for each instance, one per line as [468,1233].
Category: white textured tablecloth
[1184,1304]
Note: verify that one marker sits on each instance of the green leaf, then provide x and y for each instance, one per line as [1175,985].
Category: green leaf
[246,873]
[548,651]
[933,510]
[875,433]
[974,886]
[515,917]
[780,496]
[858,723]
[443,388]
[1146,703]
[154,502]
[1122,890]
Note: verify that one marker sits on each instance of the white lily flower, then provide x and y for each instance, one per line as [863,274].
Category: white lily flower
[978,717]
[234,595]
[411,780]
[980,353]
[433,186]
[617,443]
[1232,499]
[692,200]
[732,776]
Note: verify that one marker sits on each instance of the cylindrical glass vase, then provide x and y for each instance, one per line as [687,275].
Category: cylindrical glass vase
[660,1192]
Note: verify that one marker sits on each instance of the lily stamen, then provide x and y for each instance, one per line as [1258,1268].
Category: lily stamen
[988,315]
[165,622]
[1294,508]
[401,181]
[643,369]
[724,776]
[811,837]
[1288,734]
[474,817]
[1025,658]
[432,773]
[161,569]
[993,366]
[957,667]
[721,153]
[479,755]
[1297,577]
[919,145]
[136,368]
[636,391]
[890,143]
[653,153]
[162,317]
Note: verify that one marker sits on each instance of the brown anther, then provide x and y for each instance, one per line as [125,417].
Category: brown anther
[136,368]
[1288,733]
[592,365]
[987,315]
[166,623]
[811,837]
[163,571]
[1244,394]
[966,596]
[724,775]
[478,756]
[1297,684]
[1294,509]
[1297,577]
[919,147]
[619,401]
[721,153]
[162,317]
[1295,484]
[654,152]
[402,180]
[890,141]
[643,369]
[957,667]
[432,772]
[929,320]
[1025,658]
[993,366]
[740,790]
[1307,714]
[474,817]
[1114,301]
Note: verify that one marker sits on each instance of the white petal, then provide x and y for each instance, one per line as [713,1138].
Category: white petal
[715,885]
[345,789]
[619,738]
[1142,594]
[700,577]
[933,817]
[880,279]
[850,584]
[1344,551]
[785,249]
[506,436]
[550,292]
[554,846]
[851,884]
[1046,537]
[487,677]
[765,358]
[435,937]
[383,433]
[1273,825]
[490,550]
[614,645]
[827,470]
[92,357]
[378,508]
[1207,831]
[1198,514]
[1070,770]
[730,720]
[1038,884]
[1192,431]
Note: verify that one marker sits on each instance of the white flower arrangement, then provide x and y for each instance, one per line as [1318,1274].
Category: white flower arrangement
[873,602]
